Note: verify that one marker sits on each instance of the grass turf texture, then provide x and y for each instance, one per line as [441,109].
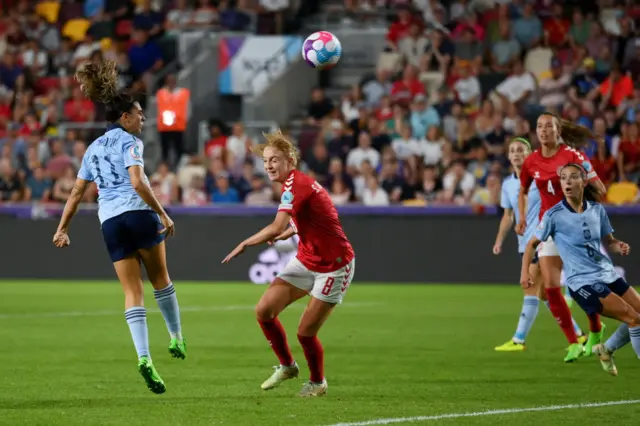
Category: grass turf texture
[390,351]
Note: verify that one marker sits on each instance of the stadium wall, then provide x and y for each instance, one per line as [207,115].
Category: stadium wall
[393,245]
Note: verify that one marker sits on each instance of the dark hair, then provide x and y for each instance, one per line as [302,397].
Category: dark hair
[574,135]
[590,193]
[98,82]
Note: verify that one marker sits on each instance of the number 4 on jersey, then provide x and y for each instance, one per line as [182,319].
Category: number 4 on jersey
[550,189]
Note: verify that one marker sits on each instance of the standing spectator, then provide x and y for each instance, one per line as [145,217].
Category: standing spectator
[458,184]
[144,55]
[224,193]
[422,117]
[319,107]
[528,29]
[38,186]
[629,156]
[362,152]
[414,45]
[174,110]
[373,195]
[239,146]
[407,88]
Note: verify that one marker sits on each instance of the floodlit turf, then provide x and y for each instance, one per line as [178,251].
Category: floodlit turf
[391,351]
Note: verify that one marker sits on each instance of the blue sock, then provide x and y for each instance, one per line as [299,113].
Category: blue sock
[576,327]
[168,304]
[137,319]
[527,318]
[634,333]
[618,339]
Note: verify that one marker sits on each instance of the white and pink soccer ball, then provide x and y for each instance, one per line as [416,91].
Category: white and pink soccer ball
[322,50]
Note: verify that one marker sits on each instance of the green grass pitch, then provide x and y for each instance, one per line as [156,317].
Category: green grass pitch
[391,351]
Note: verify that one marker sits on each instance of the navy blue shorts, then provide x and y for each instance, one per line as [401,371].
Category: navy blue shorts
[125,234]
[588,297]
[535,259]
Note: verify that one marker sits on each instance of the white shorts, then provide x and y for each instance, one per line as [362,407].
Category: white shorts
[548,248]
[326,286]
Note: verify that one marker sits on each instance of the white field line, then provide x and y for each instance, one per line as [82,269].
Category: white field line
[490,413]
[222,308]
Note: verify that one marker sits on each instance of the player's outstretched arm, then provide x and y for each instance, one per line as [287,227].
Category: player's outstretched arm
[288,233]
[61,239]
[268,233]
[527,258]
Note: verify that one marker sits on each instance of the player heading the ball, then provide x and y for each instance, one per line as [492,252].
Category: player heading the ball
[323,267]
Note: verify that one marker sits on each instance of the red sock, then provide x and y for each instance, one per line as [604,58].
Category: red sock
[560,310]
[595,326]
[275,334]
[314,354]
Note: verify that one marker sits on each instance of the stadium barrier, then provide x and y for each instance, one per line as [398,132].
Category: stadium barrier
[392,244]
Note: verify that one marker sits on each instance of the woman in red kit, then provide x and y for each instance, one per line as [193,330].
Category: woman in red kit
[323,268]
[558,142]
[629,155]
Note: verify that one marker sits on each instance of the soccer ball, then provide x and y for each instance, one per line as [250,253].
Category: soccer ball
[322,50]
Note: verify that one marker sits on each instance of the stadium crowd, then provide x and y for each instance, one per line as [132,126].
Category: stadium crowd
[453,85]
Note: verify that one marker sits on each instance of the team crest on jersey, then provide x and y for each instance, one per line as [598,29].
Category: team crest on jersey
[536,175]
[136,153]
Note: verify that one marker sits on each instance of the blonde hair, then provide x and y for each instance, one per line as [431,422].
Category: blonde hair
[279,141]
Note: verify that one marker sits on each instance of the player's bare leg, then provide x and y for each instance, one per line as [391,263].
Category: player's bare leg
[314,316]
[278,296]
[130,275]
[155,262]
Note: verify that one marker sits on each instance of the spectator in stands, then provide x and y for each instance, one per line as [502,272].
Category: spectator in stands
[439,53]
[430,146]
[217,143]
[317,160]
[364,151]
[405,145]
[10,185]
[614,90]
[239,146]
[597,40]
[340,194]
[467,89]
[64,184]
[119,10]
[604,164]
[528,28]
[319,107]
[400,28]
[406,89]
[178,18]
[373,194]
[148,20]
[60,162]
[351,103]
[629,155]
[458,184]
[144,55]
[35,59]
[422,117]
[260,194]
[414,45]
[38,186]
[480,165]
[466,140]
[341,140]
[431,185]
[376,130]
[224,192]
[337,171]
[556,28]
[205,14]
[194,194]
[375,90]
[167,183]
[518,88]
[506,50]
[10,71]
[553,90]
[79,109]
[489,195]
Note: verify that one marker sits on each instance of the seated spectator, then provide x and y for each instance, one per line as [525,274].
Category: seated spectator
[360,181]
[629,156]
[376,130]
[468,50]
[405,144]
[604,164]
[351,103]
[60,164]
[390,179]
[35,59]
[38,186]
[579,29]
[458,184]
[430,146]
[215,168]
[373,194]
[193,167]
[339,192]
[205,14]
[485,120]
[556,27]
[239,146]
[469,22]
[414,45]
[438,55]
[431,189]
[260,194]
[144,55]
[217,143]
[337,171]
[317,160]
[78,151]
[553,90]
[375,90]
[406,89]
[505,51]
[224,193]
[364,151]
[167,185]
[450,121]
[400,28]
[480,165]
[518,88]
[467,89]
[466,140]
[179,17]
[489,195]
[64,185]
[340,140]
[11,189]
[422,117]
[597,40]
[148,20]
[10,71]
[194,194]
[319,107]
[528,29]
[79,109]
[614,90]
[412,178]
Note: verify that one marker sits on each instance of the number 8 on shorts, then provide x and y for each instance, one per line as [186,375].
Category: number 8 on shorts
[329,287]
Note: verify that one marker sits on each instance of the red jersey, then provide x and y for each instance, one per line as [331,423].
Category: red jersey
[323,245]
[545,171]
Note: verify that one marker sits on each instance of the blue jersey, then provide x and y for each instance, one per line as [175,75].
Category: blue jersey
[509,200]
[105,163]
[577,237]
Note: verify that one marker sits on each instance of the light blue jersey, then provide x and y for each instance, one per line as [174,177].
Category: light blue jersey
[509,200]
[578,239]
[105,163]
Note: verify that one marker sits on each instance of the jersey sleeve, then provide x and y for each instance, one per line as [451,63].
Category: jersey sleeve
[605,224]
[525,176]
[85,170]
[581,159]
[504,198]
[546,227]
[132,152]
[294,194]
